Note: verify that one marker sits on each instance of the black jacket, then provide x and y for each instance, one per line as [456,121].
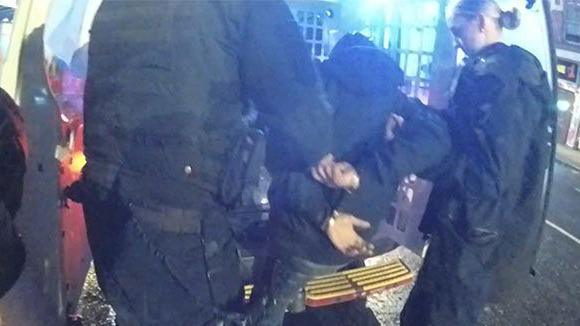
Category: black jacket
[363,86]
[167,84]
[491,199]
[12,169]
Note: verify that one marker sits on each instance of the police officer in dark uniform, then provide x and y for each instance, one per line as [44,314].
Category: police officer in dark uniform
[487,210]
[12,168]
[165,93]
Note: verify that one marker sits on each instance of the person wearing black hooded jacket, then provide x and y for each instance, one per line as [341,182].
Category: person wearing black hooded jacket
[362,83]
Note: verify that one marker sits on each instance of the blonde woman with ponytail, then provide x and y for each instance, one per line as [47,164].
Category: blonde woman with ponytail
[485,213]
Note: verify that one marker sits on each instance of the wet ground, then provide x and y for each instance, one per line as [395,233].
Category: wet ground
[384,307]
[551,298]
[388,304]
[94,308]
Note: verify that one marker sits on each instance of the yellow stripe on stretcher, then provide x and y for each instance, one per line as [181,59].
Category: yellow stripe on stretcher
[330,289]
[354,273]
[348,280]
[355,286]
[388,283]
[378,275]
[359,270]
[332,295]
[354,283]
[358,285]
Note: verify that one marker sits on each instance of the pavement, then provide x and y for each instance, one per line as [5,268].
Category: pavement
[568,156]
[552,297]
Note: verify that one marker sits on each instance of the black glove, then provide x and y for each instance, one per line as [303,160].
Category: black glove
[84,189]
[75,192]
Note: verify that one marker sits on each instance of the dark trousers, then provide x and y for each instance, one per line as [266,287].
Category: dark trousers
[452,287]
[165,266]
[288,277]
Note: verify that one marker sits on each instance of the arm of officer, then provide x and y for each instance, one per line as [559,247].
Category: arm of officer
[279,75]
[104,157]
[420,143]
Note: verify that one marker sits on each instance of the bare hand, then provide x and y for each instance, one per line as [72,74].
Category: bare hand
[341,232]
[336,174]
[393,123]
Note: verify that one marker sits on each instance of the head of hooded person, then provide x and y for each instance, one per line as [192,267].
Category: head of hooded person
[477,24]
[349,41]
[360,67]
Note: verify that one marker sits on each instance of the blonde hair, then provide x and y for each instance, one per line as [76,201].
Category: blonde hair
[506,19]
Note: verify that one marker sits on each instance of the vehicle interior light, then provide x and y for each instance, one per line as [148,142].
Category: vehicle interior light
[563,105]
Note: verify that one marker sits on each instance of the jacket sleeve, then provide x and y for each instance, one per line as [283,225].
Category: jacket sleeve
[104,157]
[278,75]
[421,144]
[372,200]
[304,197]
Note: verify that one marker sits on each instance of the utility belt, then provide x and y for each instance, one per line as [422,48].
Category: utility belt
[168,219]
[160,190]
[174,172]
[172,203]
[170,199]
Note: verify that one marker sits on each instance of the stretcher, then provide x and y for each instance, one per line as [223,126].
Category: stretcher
[352,284]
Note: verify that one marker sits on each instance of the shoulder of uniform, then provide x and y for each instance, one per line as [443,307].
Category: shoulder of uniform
[509,62]
[530,69]
[498,62]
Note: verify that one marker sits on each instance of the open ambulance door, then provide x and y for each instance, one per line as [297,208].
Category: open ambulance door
[42,69]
